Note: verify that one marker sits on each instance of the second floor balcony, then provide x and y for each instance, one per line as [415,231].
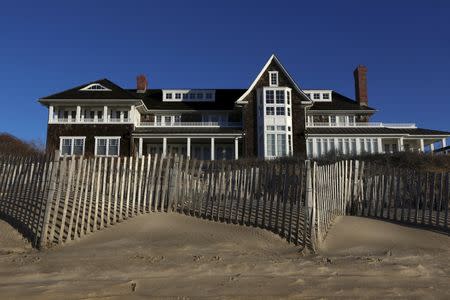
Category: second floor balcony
[361,124]
[218,124]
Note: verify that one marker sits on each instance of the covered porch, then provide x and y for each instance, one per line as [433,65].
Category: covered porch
[218,147]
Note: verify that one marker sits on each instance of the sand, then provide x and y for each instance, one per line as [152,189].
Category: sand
[175,256]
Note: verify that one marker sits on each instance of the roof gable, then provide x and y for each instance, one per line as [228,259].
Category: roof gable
[99,89]
[273,60]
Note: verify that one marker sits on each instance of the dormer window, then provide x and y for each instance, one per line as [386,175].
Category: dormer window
[169,96]
[95,87]
[326,96]
[273,78]
[316,96]
[177,95]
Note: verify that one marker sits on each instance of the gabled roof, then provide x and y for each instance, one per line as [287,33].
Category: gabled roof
[339,102]
[224,100]
[272,58]
[114,92]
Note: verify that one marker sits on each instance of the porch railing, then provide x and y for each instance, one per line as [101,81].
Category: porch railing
[191,124]
[361,124]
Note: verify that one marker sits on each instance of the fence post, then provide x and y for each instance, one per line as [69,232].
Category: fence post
[309,203]
[48,201]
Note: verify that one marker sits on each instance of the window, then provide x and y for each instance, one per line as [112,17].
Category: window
[158,119]
[199,96]
[273,78]
[100,115]
[281,128]
[363,146]
[353,147]
[351,120]
[72,145]
[125,115]
[169,96]
[369,145]
[387,148]
[280,111]
[325,96]
[107,146]
[177,119]
[192,96]
[340,146]
[270,128]
[347,146]
[270,144]
[270,111]
[281,144]
[95,87]
[309,96]
[185,96]
[288,112]
[333,120]
[341,120]
[332,147]
[375,145]
[316,96]
[325,146]
[319,146]
[289,144]
[177,95]
[73,114]
[289,128]
[208,95]
[167,119]
[288,98]
[309,147]
[280,97]
[270,97]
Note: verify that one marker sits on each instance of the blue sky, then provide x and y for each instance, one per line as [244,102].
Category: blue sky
[50,46]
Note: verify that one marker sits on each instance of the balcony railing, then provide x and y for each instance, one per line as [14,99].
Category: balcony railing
[89,120]
[362,124]
[191,124]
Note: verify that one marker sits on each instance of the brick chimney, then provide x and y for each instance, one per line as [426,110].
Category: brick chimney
[141,83]
[360,75]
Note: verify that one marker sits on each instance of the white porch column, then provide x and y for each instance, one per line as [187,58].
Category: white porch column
[432,147]
[444,143]
[141,144]
[422,146]
[50,114]
[131,114]
[400,144]
[105,114]
[78,114]
[236,148]
[164,146]
[188,147]
[212,149]
[380,146]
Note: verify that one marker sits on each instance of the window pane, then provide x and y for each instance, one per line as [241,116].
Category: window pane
[270,97]
[101,146]
[309,147]
[270,144]
[280,111]
[319,147]
[66,147]
[281,144]
[78,145]
[113,148]
[280,97]
[270,111]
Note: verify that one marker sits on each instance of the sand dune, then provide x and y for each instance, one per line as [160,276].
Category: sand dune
[160,255]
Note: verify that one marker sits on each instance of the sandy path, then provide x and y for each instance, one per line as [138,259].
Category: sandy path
[173,255]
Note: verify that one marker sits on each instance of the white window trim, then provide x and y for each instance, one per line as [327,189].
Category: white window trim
[61,138]
[107,145]
[88,88]
[270,79]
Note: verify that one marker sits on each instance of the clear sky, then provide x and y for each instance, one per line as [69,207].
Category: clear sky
[50,46]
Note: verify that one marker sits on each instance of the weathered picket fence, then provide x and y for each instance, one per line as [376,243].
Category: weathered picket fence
[370,190]
[79,196]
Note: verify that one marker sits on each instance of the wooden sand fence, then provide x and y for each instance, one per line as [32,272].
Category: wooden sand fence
[366,189]
[55,201]
[77,196]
